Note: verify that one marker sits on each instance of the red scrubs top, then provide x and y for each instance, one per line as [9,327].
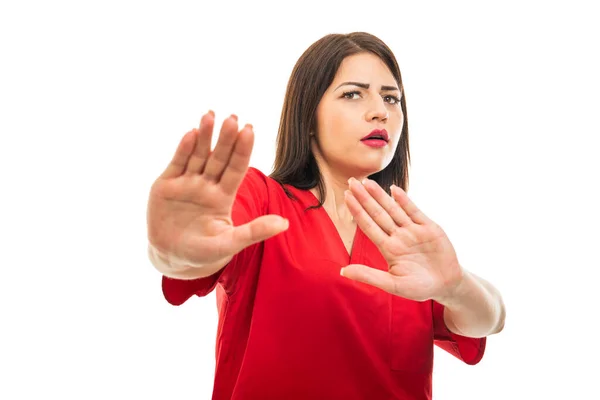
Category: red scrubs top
[290,327]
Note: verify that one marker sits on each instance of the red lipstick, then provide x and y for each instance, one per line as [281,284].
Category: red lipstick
[377,138]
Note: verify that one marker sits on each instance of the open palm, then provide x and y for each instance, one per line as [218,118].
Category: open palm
[190,203]
[421,259]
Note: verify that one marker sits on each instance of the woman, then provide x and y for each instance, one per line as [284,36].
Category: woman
[294,324]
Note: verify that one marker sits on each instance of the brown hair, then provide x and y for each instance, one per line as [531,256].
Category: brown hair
[312,75]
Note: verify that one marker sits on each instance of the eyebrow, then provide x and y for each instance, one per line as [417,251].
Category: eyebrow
[366,86]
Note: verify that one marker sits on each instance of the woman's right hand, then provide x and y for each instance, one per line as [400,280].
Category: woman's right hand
[189,207]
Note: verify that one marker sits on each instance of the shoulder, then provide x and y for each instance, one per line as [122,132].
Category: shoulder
[268,191]
[257,183]
[257,194]
[254,185]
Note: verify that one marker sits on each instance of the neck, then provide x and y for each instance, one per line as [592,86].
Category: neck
[335,185]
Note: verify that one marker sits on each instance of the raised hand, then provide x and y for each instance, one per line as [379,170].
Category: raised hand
[422,261]
[190,203]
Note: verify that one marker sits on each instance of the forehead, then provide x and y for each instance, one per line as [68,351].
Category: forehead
[365,67]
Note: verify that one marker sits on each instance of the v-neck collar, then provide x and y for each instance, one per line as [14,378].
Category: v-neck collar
[348,258]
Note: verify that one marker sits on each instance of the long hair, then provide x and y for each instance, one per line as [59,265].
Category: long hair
[313,73]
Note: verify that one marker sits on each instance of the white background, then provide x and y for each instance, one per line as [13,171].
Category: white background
[94,96]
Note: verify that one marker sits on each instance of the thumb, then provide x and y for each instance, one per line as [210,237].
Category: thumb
[258,230]
[371,276]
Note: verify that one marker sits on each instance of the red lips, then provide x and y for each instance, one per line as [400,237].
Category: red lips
[377,134]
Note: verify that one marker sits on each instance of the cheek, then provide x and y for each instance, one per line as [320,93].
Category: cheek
[398,123]
[336,120]
[335,128]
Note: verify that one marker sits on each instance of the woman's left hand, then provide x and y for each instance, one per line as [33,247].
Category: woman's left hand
[422,261]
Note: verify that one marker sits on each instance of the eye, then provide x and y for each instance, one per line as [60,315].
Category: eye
[351,95]
[391,99]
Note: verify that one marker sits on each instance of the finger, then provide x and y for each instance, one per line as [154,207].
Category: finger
[396,213]
[233,240]
[262,228]
[217,161]
[202,148]
[238,163]
[371,276]
[364,220]
[180,159]
[387,202]
[372,207]
[409,207]
[402,286]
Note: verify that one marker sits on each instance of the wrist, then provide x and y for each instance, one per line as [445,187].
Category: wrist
[458,291]
[163,262]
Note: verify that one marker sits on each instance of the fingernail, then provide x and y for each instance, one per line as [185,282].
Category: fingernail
[350,181]
[285,223]
[234,116]
[249,126]
[364,181]
[211,112]
[342,271]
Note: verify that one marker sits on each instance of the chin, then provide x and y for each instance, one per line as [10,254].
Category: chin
[375,164]
[368,169]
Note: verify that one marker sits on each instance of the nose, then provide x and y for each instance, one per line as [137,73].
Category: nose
[377,110]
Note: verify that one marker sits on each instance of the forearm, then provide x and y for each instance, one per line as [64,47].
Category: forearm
[174,270]
[475,309]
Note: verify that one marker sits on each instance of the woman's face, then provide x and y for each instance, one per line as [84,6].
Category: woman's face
[363,98]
